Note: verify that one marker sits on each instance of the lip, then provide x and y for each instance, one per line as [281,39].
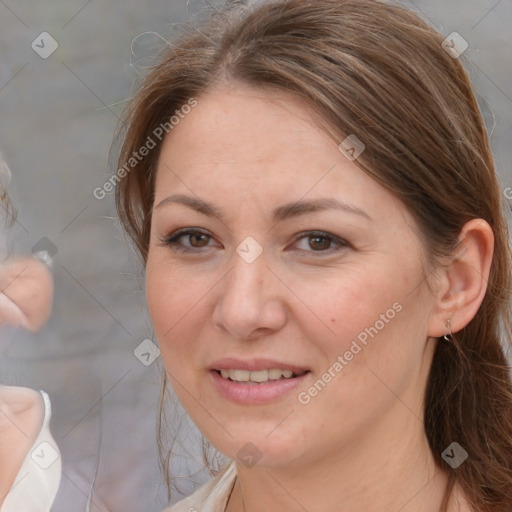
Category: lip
[251,394]
[253,365]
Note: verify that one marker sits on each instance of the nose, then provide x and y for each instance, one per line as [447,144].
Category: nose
[250,303]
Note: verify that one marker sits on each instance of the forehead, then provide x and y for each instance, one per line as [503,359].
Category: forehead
[246,125]
[265,146]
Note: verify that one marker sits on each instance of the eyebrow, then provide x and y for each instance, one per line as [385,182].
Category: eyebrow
[286,211]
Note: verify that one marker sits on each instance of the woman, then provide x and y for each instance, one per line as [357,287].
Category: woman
[328,269]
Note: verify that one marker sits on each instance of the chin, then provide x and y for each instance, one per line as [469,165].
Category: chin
[254,448]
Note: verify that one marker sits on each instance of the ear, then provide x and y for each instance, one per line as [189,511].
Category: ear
[463,283]
[26,293]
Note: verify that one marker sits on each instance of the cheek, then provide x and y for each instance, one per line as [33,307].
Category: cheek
[375,320]
[378,321]
[351,300]
[169,297]
[176,300]
[176,304]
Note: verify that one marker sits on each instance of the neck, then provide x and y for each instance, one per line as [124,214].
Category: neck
[385,469]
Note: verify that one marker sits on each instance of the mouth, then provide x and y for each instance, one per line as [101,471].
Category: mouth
[257,381]
[258,377]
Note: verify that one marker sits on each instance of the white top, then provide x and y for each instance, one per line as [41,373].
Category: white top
[212,496]
[37,482]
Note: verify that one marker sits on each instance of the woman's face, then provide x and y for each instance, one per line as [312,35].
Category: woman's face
[301,262]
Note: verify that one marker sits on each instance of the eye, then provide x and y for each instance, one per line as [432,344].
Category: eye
[193,240]
[321,242]
[196,238]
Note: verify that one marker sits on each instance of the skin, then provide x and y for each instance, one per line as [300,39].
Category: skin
[26,287]
[359,444]
[26,291]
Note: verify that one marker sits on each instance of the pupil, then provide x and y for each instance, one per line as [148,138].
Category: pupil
[325,245]
[196,236]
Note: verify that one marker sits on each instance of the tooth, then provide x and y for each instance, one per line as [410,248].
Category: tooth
[274,374]
[239,375]
[256,376]
[259,376]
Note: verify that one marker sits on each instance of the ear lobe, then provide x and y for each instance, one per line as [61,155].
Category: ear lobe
[463,282]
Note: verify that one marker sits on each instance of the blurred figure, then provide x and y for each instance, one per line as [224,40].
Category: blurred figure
[30,464]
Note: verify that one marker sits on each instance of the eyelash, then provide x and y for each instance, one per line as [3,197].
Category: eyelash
[173,240]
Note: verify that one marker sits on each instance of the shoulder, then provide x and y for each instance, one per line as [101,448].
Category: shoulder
[21,418]
[210,497]
[23,415]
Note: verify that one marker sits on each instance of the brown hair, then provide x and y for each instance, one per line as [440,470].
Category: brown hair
[380,72]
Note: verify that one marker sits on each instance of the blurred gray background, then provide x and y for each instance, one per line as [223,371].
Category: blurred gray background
[57,119]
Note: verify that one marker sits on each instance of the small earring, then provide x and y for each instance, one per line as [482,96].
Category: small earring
[448,337]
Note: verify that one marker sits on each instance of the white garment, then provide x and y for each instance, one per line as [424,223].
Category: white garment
[212,496]
[38,480]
